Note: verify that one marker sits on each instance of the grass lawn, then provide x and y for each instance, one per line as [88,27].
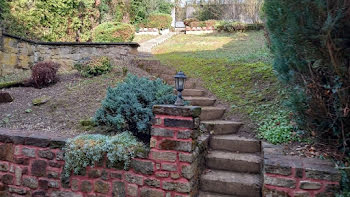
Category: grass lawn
[236,67]
[143,38]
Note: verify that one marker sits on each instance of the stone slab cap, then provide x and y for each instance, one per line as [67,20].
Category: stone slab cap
[32,138]
[173,110]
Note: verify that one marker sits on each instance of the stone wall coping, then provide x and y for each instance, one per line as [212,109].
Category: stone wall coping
[273,158]
[131,44]
[173,110]
[24,137]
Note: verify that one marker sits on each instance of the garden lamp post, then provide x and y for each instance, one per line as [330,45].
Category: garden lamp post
[180,78]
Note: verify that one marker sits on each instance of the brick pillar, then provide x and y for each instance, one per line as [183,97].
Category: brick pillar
[175,149]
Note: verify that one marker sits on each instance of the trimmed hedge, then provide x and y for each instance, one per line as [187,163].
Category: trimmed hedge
[159,21]
[238,26]
[113,32]
[188,21]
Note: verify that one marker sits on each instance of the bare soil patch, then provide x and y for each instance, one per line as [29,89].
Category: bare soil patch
[71,100]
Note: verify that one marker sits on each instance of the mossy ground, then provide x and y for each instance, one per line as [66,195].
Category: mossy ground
[236,67]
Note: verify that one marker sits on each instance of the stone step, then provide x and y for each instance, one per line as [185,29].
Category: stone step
[234,143]
[221,127]
[236,162]
[212,113]
[159,70]
[231,183]
[191,92]
[200,101]
[188,84]
[145,63]
[209,194]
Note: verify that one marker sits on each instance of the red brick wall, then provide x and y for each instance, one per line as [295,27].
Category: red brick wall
[298,177]
[33,167]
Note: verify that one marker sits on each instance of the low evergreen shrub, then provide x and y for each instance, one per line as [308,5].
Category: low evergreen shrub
[237,26]
[128,106]
[159,21]
[113,32]
[87,150]
[44,74]
[94,66]
[310,41]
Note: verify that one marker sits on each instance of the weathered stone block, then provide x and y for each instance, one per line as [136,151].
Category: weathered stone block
[309,185]
[21,160]
[152,182]
[38,168]
[101,187]
[143,166]
[4,167]
[20,191]
[162,132]
[94,173]
[75,185]
[280,166]
[52,175]
[168,144]
[149,192]
[163,155]
[182,187]
[153,142]
[185,134]
[55,164]
[172,110]
[134,178]
[187,157]
[281,182]
[188,171]
[6,152]
[118,189]
[65,194]
[301,194]
[169,122]
[53,184]
[29,152]
[86,186]
[47,154]
[162,174]
[169,166]
[43,184]
[116,175]
[7,179]
[30,182]
[174,175]
[132,190]
[273,193]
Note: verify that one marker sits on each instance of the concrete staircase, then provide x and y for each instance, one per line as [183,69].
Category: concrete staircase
[233,163]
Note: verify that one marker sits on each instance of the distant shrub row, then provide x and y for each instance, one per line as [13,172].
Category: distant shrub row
[223,25]
[238,26]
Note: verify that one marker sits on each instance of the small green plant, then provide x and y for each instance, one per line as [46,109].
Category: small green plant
[113,32]
[128,106]
[87,150]
[95,66]
[277,129]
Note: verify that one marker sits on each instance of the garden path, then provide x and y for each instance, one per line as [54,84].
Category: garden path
[146,47]
[233,163]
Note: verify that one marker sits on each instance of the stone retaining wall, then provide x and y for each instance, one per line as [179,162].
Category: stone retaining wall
[32,166]
[17,54]
[298,177]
